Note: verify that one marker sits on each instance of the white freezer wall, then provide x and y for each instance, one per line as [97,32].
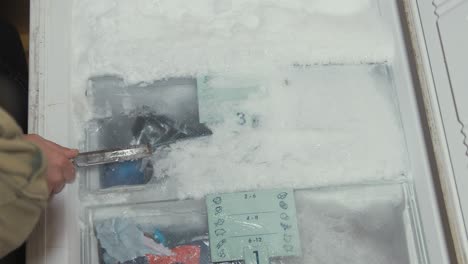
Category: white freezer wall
[57,237]
[440,35]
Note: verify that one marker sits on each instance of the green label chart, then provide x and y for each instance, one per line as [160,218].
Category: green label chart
[252,226]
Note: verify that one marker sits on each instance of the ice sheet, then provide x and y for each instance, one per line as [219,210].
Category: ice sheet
[329,125]
[144,40]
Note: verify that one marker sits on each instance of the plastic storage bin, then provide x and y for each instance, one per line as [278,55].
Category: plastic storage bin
[375,223]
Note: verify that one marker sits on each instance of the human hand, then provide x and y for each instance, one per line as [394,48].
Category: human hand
[60,169]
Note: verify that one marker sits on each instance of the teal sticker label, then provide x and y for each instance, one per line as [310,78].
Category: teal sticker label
[220,99]
[253,225]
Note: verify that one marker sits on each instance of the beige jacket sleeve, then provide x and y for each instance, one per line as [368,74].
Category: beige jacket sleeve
[23,188]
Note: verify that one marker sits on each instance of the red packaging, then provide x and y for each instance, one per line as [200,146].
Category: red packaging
[180,255]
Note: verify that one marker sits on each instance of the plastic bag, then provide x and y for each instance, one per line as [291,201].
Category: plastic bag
[124,241]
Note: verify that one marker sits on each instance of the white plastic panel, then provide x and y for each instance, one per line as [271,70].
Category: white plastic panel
[453,28]
[441,38]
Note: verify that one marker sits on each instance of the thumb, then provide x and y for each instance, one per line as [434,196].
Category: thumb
[70,153]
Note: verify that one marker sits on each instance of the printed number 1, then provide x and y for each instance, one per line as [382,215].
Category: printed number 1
[256,256]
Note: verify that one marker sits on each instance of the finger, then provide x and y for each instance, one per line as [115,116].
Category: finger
[68,171]
[50,187]
[54,178]
[58,189]
[56,146]
[71,153]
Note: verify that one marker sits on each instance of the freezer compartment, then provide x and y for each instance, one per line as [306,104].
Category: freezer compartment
[352,224]
[298,123]
[93,36]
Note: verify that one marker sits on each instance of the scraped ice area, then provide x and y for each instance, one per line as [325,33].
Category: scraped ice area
[155,113]
[296,94]
[351,224]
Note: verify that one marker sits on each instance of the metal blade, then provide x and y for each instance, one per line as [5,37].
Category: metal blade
[99,157]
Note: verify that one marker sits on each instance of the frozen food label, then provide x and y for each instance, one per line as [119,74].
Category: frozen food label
[253,226]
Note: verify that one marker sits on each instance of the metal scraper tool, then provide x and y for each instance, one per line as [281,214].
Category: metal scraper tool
[99,157]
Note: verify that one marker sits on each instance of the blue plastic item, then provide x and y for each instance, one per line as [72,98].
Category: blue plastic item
[124,173]
[159,237]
